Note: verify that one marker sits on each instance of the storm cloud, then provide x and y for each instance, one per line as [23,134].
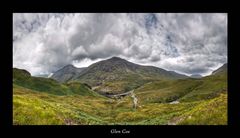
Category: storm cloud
[188,43]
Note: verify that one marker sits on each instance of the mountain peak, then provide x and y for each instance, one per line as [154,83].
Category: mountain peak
[69,66]
[66,73]
[116,58]
[113,63]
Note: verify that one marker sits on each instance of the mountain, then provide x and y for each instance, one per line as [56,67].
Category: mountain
[117,75]
[221,70]
[196,76]
[66,73]
[117,65]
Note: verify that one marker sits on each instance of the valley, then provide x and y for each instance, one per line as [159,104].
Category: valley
[118,92]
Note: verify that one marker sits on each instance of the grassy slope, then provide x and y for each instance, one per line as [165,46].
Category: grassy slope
[211,87]
[183,90]
[81,89]
[32,105]
[165,91]
[210,112]
[23,78]
[47,85]
[119,82]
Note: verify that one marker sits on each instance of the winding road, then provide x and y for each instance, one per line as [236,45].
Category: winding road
[135,100]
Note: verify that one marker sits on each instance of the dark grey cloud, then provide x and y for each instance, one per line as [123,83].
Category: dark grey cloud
[184,42]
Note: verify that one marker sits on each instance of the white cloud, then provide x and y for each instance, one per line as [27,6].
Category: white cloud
[187,43]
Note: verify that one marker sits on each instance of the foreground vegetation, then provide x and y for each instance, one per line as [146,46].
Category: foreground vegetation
[36,101]
[34,108]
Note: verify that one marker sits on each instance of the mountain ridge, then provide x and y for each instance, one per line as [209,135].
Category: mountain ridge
[66,73]
[220,70]
[115,63]
[117,75]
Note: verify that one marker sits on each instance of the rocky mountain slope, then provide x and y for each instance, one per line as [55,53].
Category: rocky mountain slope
[116,75]
[222,69]
[66,73]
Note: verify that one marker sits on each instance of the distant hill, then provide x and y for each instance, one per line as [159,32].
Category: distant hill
[115,75]
[66,73]
[222,69]
[183,90]
[196,76]
[20,74]
[47,85]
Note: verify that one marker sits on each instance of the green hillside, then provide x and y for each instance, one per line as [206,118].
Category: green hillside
[80,89]
[183,90]
[43,101]
[48,85]
[211,87]
[210,112]
[23,78]
[34,108]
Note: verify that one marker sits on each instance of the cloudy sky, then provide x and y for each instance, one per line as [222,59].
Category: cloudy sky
[183,42]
